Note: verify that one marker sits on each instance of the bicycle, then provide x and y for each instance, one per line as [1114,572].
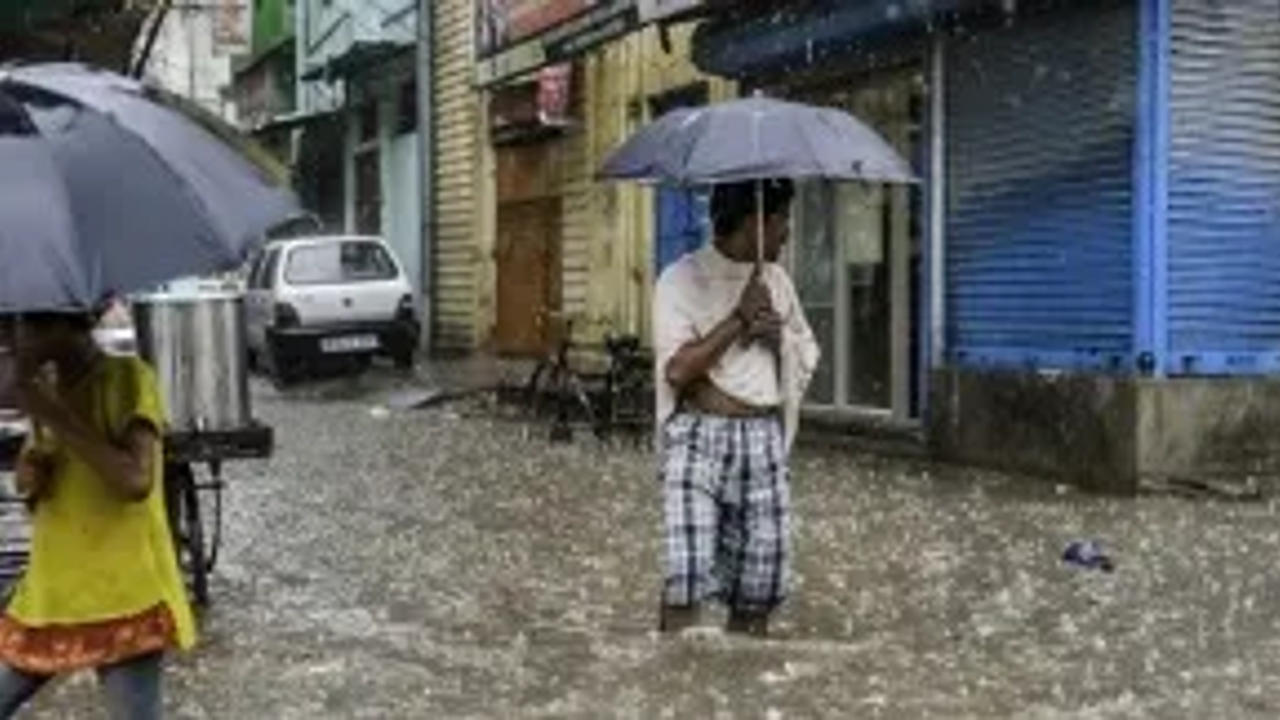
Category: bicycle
[628,386]
[555,388]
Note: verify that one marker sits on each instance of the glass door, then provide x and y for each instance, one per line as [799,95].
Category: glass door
[855,257]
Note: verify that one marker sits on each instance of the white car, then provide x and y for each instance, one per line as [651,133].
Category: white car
[313,299]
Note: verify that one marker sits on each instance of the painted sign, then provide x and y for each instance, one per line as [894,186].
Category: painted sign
[655,10]
[517,37]
[232,27]
[532,108]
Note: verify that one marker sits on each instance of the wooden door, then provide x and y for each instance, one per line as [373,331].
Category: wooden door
[528,260]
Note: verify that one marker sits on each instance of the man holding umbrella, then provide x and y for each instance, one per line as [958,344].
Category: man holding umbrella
[734,354]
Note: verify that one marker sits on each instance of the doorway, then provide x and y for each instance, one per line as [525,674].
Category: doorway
[528,250]
[857,259]
[368,173]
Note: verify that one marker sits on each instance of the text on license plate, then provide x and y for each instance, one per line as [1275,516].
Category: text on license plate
[349,343]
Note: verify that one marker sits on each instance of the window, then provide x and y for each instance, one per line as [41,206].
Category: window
[340,263]
[407,117]
[369,122]
[255,272]
[369,192]
[266,275]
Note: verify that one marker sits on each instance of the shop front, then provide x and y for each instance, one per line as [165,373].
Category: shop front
[1077,286]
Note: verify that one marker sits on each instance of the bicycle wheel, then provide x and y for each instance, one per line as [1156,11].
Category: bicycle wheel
[533,387]
[581,400]
[182,505]
[198,561]
[559,405]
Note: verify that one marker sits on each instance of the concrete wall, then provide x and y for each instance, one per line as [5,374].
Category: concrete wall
[185,62]
[1075,428]
[1209,428]
[1107,433]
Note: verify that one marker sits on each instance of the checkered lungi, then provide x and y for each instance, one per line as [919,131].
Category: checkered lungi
[727,504]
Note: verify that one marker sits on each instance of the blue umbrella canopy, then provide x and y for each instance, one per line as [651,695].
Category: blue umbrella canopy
[107,185]
[756,138]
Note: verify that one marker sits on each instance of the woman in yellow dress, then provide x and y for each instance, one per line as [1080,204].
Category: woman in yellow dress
[102,588]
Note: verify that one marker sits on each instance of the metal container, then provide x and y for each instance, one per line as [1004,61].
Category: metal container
[197,345]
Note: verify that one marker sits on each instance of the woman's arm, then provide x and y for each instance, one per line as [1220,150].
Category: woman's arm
[124,465]
[34,473]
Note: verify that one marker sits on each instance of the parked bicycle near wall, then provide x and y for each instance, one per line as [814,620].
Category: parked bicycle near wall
[619,397]
[627,400]
[555,389]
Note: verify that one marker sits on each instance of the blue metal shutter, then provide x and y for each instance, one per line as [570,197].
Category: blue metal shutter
[1040,136]
[1224,187]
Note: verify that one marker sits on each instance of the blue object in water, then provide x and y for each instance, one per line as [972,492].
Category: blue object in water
[1087,554]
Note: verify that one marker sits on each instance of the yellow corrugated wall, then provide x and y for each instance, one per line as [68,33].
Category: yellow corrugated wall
[458,261]
[609,263]
[607,229]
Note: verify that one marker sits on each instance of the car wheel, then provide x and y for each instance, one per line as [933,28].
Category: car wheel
[403,360]
[282,373]
[360,364]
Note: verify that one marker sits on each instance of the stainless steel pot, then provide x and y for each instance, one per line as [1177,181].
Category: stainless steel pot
[196,343]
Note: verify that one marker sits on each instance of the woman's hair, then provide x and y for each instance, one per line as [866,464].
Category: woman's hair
[75,321]
[735,203]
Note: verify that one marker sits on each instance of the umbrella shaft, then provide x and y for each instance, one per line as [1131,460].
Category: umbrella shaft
[759,223]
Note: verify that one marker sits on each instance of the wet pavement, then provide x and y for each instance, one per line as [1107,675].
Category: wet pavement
[451,563]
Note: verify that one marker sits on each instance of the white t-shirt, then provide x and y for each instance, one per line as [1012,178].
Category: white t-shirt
[698,292]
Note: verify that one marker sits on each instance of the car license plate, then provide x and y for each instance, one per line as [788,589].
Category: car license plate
[349,343]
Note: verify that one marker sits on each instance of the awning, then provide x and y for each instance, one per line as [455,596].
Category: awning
[296,119]
[360,55]
[801,35]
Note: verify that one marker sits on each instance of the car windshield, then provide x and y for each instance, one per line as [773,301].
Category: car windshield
[340,263]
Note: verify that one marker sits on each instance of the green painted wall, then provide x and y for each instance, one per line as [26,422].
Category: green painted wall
[272,22]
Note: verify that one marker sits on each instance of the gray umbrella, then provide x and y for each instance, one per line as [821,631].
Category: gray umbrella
[105,186]
[756,138]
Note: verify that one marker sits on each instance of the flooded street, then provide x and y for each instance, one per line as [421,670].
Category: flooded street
[449,563]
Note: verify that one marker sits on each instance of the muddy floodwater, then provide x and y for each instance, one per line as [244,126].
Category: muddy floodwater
[447,563]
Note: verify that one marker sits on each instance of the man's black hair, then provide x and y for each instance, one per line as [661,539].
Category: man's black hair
[734,204]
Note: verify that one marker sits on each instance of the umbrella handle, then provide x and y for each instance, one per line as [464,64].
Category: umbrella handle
[759,224]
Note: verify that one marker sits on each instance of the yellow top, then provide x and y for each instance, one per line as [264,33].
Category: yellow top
[95,557]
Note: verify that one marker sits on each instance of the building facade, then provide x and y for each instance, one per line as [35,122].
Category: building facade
[190,59]
[358,98]
[528,106]
[265,79]
[1081,284]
